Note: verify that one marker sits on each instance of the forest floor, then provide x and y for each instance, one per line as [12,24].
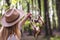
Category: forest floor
[42,37]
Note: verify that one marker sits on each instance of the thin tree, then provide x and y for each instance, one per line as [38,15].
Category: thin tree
[47,20]
[39,6]
[58,12]
[8,2]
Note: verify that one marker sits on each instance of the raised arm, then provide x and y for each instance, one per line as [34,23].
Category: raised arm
[24,19]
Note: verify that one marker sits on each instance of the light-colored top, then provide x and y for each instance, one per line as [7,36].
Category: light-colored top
[12,37]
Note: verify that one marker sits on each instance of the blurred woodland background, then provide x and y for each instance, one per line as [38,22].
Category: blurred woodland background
[49,10]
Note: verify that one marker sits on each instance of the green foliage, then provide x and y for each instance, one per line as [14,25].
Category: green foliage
[55,38]
[0,0]
[27,22]
[26,25]
[13,2]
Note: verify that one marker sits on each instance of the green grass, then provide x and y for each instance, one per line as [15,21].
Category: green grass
[55,38]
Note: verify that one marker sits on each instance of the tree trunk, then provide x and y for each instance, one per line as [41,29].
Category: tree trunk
[47,20]
[8,3]
[28,7]
[54,21]
[58,12]
[39,6]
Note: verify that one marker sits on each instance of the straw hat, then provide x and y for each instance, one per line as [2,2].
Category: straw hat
[11,17]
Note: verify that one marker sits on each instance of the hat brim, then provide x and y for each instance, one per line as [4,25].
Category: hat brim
[5,24]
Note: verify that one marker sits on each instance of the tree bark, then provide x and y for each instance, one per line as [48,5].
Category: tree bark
[8,3]
[47,20]
[39,6]
[28,7]
[54,21]
[58,12]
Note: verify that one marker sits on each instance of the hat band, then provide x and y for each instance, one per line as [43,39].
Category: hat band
[14,19]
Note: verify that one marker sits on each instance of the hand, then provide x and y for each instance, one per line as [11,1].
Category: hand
[24,19]
[29,15]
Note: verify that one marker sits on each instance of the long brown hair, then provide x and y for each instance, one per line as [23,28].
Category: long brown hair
[7,31]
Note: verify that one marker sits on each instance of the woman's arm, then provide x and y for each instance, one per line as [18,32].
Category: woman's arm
[24,19]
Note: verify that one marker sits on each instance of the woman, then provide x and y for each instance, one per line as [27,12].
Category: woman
[11,21]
